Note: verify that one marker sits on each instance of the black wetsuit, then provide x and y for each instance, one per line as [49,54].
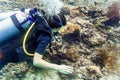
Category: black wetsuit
[14,52]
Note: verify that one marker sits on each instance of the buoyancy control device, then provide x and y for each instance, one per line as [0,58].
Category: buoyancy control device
[14,23]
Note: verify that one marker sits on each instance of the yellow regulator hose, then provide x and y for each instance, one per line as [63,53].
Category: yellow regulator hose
[24,41]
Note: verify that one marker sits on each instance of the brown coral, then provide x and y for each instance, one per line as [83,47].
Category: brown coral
[73,53]
[94,71]
[109,55]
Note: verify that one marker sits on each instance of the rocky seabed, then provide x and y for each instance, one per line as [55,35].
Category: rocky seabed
[88,45]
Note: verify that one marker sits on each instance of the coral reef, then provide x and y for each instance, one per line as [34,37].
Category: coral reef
[14,71]
[85,43]
[87,34]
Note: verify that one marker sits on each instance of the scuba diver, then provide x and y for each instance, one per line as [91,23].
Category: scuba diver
[11,49]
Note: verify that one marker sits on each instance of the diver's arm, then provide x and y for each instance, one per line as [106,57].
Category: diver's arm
[39,62]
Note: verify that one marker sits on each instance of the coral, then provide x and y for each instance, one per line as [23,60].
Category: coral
[65,52]
[73,53]
[113,14]
[94,13]
[87,34]
[75,12]
[94,71]
[80,30]
[91,37]
[108,57]
[35,73]
[78,12]
[69,28]
[71,32]
[83,22]
[113,35]
[97,39]
[113,10]
[14,71]
[20,67]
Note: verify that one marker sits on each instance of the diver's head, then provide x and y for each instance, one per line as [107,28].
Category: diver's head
[57,21]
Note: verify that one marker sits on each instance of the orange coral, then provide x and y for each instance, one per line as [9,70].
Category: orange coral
[71,33]
[69,28]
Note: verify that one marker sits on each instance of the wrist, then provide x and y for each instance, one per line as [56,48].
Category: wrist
[57,67]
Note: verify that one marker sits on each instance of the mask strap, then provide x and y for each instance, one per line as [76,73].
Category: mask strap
[60,23]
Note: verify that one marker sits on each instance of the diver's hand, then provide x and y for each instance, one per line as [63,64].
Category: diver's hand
[65,69]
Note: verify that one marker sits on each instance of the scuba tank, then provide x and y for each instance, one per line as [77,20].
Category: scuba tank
[14,23]
[5,15]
